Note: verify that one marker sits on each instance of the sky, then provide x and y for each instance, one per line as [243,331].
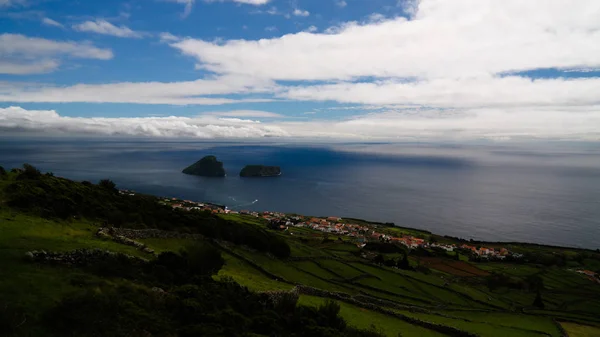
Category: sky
[441,70]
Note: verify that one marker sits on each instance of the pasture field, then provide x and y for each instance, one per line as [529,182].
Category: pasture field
[449,293]
[578,330]
[367,319]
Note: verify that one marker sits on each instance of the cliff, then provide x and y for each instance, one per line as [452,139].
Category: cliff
[208,166]
[260,171]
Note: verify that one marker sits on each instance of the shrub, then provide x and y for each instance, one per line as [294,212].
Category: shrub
[203,260]
[30,172]
[2,171]
[108,184]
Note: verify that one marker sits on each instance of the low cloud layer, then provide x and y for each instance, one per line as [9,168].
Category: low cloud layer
[49,122]
[400,124]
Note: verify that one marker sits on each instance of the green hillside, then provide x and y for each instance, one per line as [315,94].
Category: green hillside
[191,273]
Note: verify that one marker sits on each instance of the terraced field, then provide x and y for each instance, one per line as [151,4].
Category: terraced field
[444,302]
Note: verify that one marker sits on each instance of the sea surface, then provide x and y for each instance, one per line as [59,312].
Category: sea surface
[542,193]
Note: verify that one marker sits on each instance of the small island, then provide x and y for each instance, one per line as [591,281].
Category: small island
[260,171]
[208,166]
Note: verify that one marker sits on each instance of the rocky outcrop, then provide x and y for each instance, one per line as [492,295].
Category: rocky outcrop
[208,166]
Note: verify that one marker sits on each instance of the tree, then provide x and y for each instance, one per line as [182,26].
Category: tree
[2,171]
[204,260]
[108,184]
[457,256]
[379,259]
[403,263]
[30,172]
[538,302]
[535,283]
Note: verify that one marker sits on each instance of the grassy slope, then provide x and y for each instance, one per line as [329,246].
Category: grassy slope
[366,319]
[34,286]
[578,330]
[467,306]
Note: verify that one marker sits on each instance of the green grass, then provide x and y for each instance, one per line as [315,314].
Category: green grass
[414,285]
[578,330]
[288,272]
[164,245]
[33,286]
[246,275]
[529,322]
[340,268]
[313,268]
[499,327]
[366,319]
[22,233]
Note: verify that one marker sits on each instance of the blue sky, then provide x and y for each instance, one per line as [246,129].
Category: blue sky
[408,69]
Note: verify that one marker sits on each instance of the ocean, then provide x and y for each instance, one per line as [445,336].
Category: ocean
[542,193]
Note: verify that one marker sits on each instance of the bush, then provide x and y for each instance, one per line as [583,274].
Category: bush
[30,172]
[108,185]
[207,309]
[2,171]
[203,260]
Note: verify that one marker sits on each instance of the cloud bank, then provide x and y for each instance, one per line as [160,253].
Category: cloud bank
[16,119]
[404,124]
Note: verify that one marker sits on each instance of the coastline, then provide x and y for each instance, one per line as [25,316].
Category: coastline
[423,231]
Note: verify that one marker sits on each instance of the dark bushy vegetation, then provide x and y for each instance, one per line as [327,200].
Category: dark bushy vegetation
[56,197]
[175,295]
[208,309]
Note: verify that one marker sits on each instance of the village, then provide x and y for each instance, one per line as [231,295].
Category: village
[362,234]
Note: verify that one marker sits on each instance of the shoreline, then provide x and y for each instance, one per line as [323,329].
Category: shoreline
[427,232]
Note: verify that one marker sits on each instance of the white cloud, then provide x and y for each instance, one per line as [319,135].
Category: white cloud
[50,22]
[312,29]
[271,29]
[32,47]
[376,18]
[175,93]
[37,67]
[465,92]
[188,5]
[17,119]
[341,3]
[409,7]
[106,28]
[494,124]
[505,124]
[168,37]
[20,54]
[445,39]
[301,12]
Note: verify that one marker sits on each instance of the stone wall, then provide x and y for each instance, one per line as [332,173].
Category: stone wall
[78,257]
[136,234]
[110,233]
